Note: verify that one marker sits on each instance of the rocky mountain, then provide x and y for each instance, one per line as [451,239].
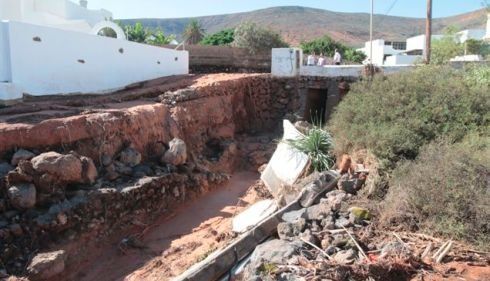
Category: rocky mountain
[301,23]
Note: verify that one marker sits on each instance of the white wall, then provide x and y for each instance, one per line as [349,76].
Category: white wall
[465,35]
[418,42]
[4,53]
[63,14]
[286,61]
[402,60]
[52,66]
[347,70]
[378,51]
[332,70]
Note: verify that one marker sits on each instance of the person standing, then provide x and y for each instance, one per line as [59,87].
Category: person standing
[337,58]
[321,60]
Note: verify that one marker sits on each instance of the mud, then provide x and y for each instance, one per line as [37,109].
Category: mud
[176,240]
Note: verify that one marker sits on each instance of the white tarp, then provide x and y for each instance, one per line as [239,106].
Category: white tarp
[253,215]
[287,164]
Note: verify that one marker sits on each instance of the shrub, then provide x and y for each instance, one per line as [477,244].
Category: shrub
[477,47]
[445,191]
[159,38]
[447,47]
[394,116]
[224,37]
[353,55]
[255,38]
[477,75]
[318,145]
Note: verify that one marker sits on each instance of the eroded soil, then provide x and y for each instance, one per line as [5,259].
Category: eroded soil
[174,242]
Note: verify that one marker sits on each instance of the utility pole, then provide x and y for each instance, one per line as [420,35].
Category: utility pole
[428,32]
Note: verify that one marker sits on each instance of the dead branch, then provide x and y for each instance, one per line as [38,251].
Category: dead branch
[316,247]
[355,242]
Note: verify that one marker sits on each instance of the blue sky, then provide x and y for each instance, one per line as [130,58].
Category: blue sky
[191,8]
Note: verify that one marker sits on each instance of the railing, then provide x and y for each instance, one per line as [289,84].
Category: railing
[181,44]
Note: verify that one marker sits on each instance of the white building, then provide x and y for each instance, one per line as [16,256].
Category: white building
[382,49]
[51,47]
[385,53]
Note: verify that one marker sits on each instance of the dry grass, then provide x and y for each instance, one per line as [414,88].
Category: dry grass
[445,192]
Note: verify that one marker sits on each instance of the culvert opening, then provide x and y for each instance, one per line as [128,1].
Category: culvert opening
[315,107]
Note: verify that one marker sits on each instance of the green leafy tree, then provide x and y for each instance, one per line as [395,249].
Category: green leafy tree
[353,55]
[447,47]
[224,37]
[193,32]
[326,45]
[137,33]
[159,38]
[255,38]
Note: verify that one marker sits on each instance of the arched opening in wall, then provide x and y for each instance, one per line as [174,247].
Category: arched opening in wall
[107,32]
[316,104]
[108,29]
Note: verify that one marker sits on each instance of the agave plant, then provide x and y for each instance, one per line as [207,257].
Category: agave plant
[317,144]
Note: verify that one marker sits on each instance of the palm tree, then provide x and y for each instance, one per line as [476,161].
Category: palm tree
[193,32]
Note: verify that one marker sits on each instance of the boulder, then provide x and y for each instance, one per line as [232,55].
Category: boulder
[22,196]
[5,168]
[274,252]
[47,265]
[141,170]
[106,160]
[176,154]
[130,157]
[67,168]
[21,154]
[292,216]
[89,171]
[318,183]
[318,212]
[287,230]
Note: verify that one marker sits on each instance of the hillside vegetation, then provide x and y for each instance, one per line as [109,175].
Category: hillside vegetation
[297,24]
[429,130]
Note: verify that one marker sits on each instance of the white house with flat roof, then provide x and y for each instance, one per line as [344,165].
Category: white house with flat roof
[53,47]
[386,53]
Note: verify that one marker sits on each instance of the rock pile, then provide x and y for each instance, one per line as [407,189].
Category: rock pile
[56,197]
[317,232]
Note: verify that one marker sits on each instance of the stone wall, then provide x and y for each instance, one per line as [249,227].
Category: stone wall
[215,59]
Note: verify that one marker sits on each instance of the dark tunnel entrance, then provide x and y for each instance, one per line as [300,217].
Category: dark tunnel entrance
[316,103]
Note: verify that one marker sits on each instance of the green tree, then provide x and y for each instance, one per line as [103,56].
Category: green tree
[224,37]
[193,32]
[159,38]
[447,47]
[353,55]
[255,38]
[137,33]
[326,45]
